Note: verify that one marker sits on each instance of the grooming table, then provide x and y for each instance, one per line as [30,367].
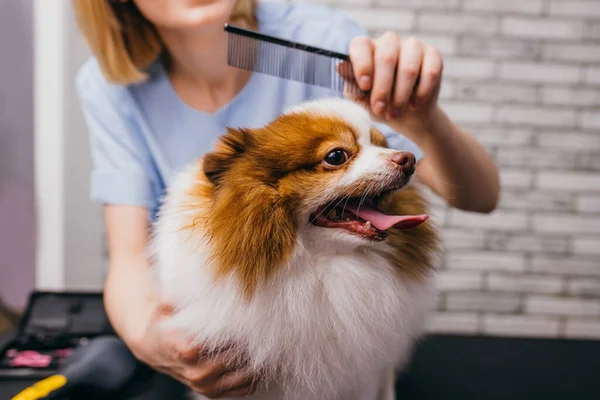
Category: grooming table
[495,368]
[447,367]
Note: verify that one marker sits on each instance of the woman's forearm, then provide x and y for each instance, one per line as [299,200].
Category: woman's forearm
[455,165]
[129,296]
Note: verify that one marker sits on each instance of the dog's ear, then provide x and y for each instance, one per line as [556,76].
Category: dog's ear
[231,145]
[378,138]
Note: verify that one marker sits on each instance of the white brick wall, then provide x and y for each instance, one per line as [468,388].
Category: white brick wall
[560,306]
[588,204]
[469,112]
[524,77]
[541,28]
[519,283]
[571,181]
[484,261]
[539,72]
[499,48]
[569,52]
[459,281]
[584,287]
[564,8]
[540,116]
[574,141]
[495,92]
[468,68]
[590,120]
[586,246]
[483,302]
[585,267]
[578,328]
[516,6]
[454,322]
[383,18]
[456,23]
[592,74]
[526,242]
[520,325]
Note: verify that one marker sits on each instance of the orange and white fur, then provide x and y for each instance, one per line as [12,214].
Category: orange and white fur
[321,303]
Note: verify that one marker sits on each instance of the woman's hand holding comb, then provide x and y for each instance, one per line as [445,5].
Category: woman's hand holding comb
[400,79]
[399,83]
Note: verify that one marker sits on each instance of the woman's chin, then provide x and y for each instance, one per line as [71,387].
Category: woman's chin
[191,14]
[212,13]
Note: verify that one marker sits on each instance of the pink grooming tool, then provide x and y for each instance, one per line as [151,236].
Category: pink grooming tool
[30,358]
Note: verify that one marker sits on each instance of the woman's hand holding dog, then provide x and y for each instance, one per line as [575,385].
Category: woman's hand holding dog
[170,353]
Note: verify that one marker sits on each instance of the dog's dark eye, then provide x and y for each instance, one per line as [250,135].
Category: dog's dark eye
[336,157]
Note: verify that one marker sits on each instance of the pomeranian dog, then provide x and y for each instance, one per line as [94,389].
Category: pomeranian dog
[304,249]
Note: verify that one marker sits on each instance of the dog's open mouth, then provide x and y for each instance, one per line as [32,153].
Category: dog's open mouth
[362,217]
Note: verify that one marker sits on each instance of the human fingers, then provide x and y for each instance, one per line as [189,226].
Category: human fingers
[408,70]
[183,351]
[431,76]
[232,384]
[361,52]
[241,392]
[164,308]
[386,59]
[210,369]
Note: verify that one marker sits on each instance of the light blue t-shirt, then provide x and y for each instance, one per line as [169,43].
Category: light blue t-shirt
[143,134]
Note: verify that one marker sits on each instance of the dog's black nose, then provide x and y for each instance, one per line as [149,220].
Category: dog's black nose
[406,161]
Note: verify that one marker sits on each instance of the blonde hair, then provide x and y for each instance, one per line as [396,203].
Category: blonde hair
[123,41]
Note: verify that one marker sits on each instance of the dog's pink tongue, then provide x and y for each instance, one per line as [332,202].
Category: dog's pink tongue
[384,222]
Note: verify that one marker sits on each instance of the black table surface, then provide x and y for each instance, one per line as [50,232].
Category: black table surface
[447,367]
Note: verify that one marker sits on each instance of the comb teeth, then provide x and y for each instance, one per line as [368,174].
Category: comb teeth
[288,60]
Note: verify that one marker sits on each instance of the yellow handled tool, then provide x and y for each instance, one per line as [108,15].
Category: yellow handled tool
[104,365]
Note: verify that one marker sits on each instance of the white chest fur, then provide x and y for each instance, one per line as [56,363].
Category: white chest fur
[331,324]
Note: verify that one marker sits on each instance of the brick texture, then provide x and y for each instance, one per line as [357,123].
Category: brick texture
[524,77]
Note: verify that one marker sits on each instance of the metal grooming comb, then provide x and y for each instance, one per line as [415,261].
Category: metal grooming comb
[285,59]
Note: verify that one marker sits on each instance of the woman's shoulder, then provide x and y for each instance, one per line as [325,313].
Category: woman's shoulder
[309,23]
[91,84]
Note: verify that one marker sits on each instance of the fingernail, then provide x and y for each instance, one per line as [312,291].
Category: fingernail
[364,81]
[380,106]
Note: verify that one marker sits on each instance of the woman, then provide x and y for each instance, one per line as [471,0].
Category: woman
[158,92]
